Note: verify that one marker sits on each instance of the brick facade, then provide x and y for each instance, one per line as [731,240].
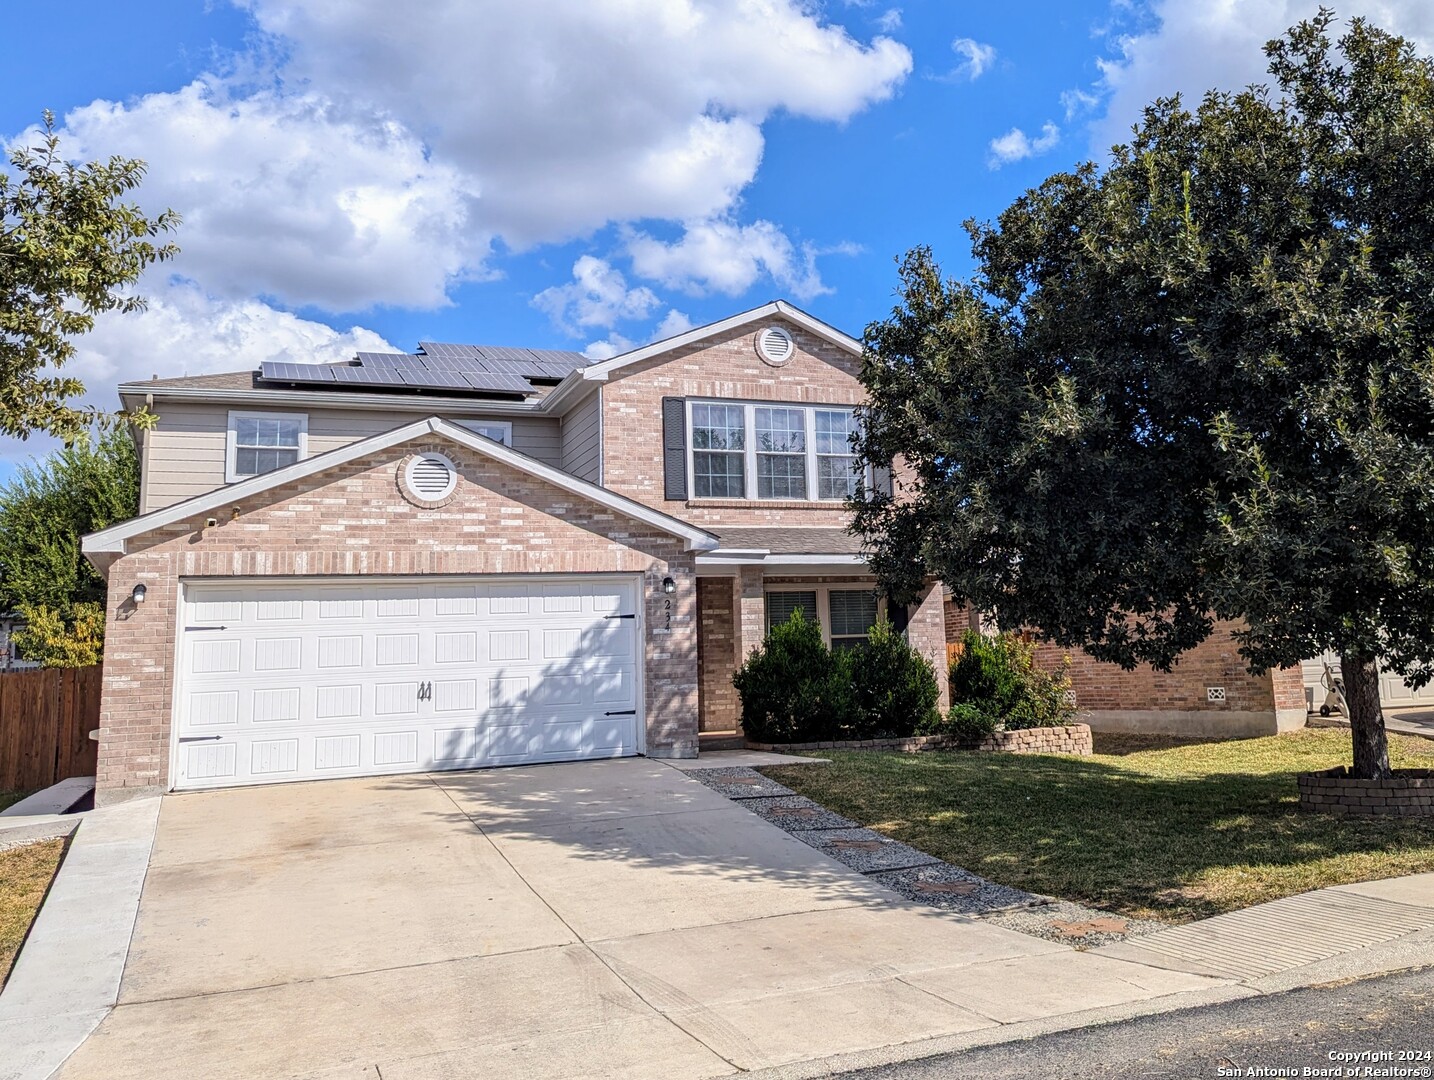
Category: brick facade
[717,658]
[720,367]
[1179,703]
[352,520]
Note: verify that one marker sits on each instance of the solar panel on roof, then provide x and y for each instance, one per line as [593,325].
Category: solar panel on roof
[498,383]
[287,372]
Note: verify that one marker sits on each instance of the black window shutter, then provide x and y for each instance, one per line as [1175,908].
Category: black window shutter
[674,448]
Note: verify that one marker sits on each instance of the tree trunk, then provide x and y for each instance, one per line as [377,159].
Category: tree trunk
[1366,717]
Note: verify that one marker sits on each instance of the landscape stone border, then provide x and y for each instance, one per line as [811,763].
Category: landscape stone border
[1068,739]
[1408,793]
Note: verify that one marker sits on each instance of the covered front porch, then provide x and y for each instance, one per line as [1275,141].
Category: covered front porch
[758,577]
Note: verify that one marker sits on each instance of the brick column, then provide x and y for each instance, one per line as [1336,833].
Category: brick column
[926,631]
[750,604]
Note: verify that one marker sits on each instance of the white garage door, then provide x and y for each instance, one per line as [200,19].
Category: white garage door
[303,681]
[1394,692]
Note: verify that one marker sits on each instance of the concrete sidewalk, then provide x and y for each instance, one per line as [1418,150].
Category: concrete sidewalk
[606,918]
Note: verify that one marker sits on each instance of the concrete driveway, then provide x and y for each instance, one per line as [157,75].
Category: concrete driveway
[599,919]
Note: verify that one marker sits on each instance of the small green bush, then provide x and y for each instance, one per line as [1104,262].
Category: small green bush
[998,675]
[893,685]
[793,688]
[965,721]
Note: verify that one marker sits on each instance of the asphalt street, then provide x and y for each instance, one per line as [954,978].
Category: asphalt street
[1378,1027]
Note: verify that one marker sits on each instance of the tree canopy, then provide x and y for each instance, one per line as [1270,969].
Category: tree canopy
[70,248]
[44,511]
[1197,383]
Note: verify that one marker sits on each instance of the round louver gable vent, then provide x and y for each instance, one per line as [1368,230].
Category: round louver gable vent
[775,345]
[430,476]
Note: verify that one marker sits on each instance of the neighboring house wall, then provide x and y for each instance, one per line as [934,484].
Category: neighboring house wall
[582,439]
[352,520]
[1178,703]
[724,368]
[185,451]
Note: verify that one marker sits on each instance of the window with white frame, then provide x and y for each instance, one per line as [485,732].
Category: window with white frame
[776,452]
[845,615]
[852,612]
[262,442]
[837,467]
[719,451]
[500,431]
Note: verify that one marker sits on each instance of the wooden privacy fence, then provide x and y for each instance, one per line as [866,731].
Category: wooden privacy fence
[46,716]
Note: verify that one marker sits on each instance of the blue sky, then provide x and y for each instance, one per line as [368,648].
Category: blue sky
[587,174]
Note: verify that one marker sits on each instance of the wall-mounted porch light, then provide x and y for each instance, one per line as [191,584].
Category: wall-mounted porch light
[669,586]
[137,594]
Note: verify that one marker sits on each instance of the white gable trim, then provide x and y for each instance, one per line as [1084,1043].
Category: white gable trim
[600,372]
[113,541]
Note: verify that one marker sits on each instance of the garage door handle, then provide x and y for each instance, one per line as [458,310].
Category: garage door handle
[200,738]
[206,628]
[624,712]
[619,616]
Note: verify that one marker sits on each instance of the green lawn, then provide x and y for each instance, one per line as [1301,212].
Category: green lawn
[1149,827]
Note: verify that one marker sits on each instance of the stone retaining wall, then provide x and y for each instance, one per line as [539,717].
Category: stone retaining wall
[1409,793]
[1071,739]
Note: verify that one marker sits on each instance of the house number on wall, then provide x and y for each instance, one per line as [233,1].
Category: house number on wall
[667,607]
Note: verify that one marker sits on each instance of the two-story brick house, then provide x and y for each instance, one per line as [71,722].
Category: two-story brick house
[476,556]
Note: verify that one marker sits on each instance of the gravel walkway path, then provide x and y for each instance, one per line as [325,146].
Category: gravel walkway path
[917,876]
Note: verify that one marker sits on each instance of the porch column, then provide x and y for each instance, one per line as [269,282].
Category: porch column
[750,607]
[926,631]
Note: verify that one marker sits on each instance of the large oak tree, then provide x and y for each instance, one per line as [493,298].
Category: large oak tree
[1197,383]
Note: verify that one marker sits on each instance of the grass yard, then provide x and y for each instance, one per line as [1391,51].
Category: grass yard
[1148,826]
[25,874]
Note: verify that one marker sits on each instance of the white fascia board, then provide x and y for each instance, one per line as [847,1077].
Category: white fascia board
[277,398]
[768,560]
[114,539]
[599,372]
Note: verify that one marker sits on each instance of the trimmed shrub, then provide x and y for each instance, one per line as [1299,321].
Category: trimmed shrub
[893,686]
[998,675]
[793,688]
[964,721]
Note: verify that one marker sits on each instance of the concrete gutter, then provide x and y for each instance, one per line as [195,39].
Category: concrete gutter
[68,975]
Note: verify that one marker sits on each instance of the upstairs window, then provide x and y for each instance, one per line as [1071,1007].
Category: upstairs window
[790,453]
[781,453]
[837,467]
[719,440]
[262,442]
[500,431]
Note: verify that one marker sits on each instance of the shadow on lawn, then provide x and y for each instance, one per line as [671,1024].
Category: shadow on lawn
[1172,846]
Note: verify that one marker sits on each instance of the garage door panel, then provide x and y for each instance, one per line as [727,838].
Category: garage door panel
[306,680]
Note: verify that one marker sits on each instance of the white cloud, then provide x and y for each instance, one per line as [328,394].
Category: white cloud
[976,60]
[1078,102]
[1195,47]
[1016,145]
[889,21]
[570,114]
[291,196]
[598,295]
[608,347]
[673,323]
[723,256]
[355,158]
[185,331]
